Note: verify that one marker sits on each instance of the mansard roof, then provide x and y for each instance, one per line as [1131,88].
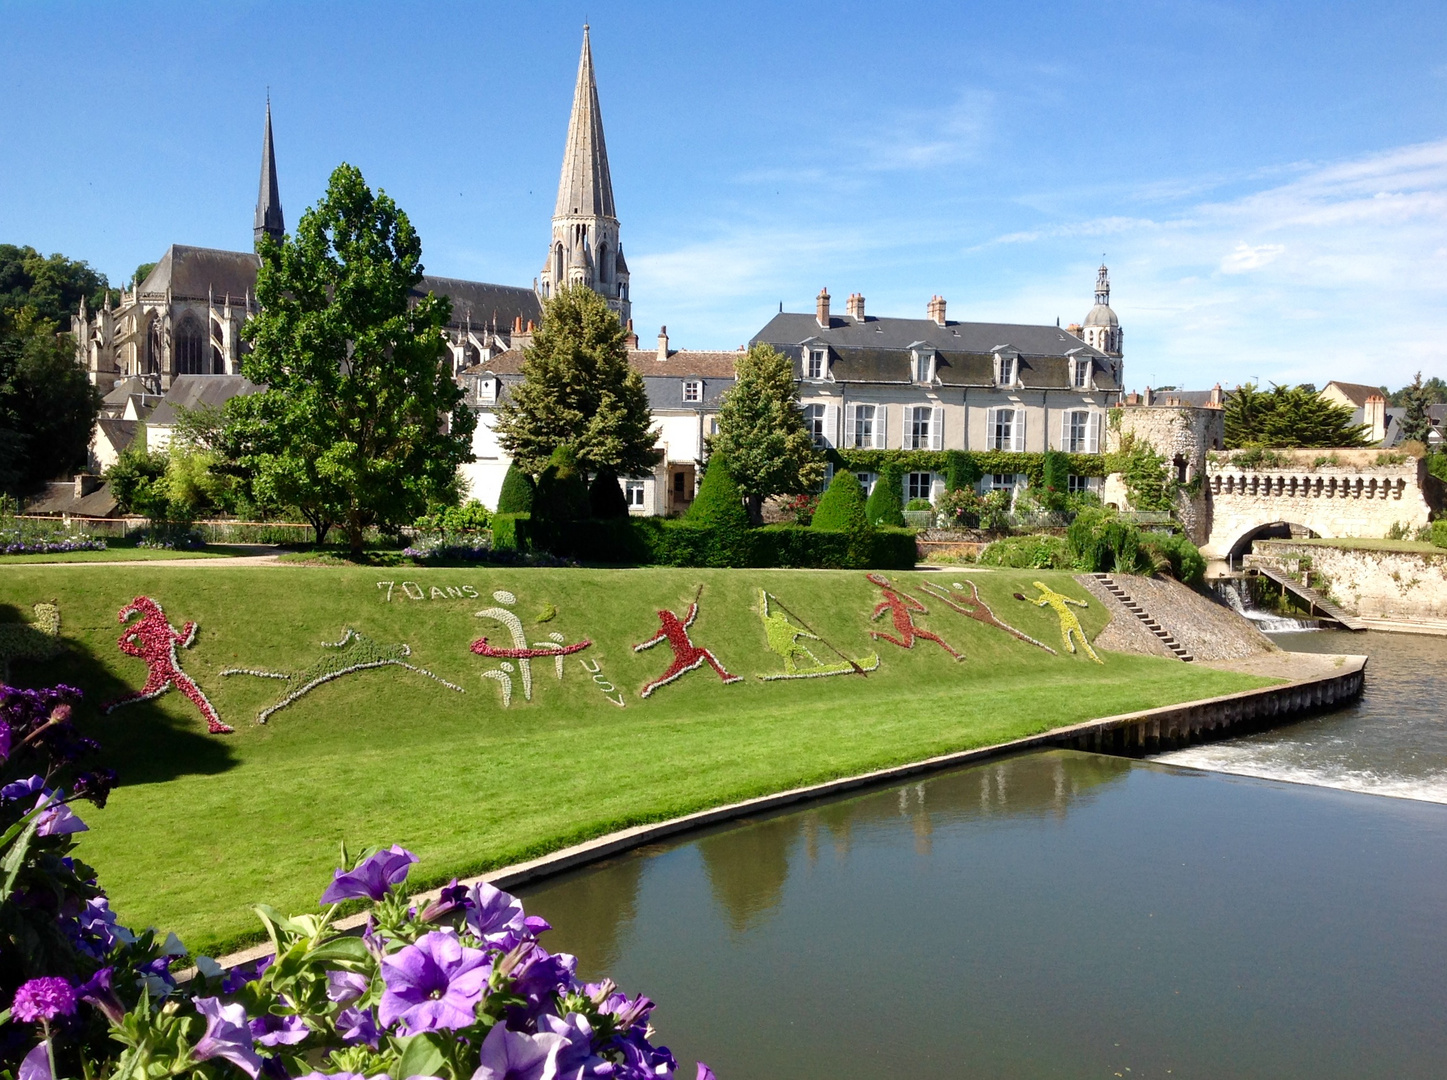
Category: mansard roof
[681,364]
[879,350]
[980,338]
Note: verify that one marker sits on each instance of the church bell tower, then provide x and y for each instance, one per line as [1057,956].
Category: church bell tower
[268,221]
[585,248]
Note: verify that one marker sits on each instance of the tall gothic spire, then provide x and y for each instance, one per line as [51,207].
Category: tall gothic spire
[585,248]
[269,221]
[585,188]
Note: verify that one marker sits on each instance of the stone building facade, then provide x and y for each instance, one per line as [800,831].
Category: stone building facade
[1185,435]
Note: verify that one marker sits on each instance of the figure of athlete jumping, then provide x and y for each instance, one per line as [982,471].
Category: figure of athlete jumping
[902,607]
[155,640]
[686,655]
[1069,624]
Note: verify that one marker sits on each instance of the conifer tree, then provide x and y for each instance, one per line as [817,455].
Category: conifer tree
[1289,416]
[1416,424]
[562,492]
[605,496]
[886,501]
[761,428]
[578,388]
[516,496]
[842,507]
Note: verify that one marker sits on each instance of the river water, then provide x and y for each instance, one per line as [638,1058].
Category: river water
[1062,914]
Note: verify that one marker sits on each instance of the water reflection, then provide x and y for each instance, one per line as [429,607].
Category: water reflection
[1056,914]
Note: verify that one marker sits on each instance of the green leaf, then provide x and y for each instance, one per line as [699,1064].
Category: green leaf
[341,950]
[422,1056]
[15,857]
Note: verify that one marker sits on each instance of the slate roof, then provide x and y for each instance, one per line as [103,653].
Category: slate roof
[119,433]
[59,498]
[482,302]
[878,350]
[663,380]
[1356,393]
[197,391]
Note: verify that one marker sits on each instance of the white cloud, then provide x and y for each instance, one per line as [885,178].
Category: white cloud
[1245,257]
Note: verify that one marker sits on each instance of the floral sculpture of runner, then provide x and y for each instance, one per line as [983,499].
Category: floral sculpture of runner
[902,608]
[980,612]
[154,640]
[354,652]
[686,655]
[1069,624]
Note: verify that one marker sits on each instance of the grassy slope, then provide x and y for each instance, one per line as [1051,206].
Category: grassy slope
[120,554]
[207,825]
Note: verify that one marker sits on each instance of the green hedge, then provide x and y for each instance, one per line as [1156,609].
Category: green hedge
[510,532]
[1032,552]
[1439,533]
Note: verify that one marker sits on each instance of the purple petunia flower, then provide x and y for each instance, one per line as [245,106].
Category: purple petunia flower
[95,786]
[155,976]
[273,1030]
[344,987]
[98,921]
[433,984]
[493,914]
[227,1036]
[5,739]
[449,898]
[56,819]
[21,788]
[372,878]
[537,977]
[43,999]
[576,1059]
[625,1013]
[641,1059]
[513,1055]
[100,992]
[351,1076]
[704,1073]
[358,1026]
[242,974]
[36,1065]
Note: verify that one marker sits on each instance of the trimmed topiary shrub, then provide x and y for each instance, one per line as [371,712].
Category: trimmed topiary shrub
[510,532]
[719,510]
[886,501]
[516,496]
[562,492]
[842,507]
[1032,552]
[605,496]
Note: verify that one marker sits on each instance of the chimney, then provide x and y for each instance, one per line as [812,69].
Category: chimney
[662,343]
[1374,414]
[517,325]
[822,314]
[936,310]
[1216,399]
[1150,396]
[630,339]
[85,483]
[856,306]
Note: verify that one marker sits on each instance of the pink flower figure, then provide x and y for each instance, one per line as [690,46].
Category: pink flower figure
[154,640]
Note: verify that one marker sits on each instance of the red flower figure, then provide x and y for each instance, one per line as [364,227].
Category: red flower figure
[154,640]
[686,655]
[902,607]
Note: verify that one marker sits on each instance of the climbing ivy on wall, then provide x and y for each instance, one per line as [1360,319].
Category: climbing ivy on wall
[1146,473]
[963,468]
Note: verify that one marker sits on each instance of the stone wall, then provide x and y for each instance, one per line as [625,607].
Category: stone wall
[1184,435]
[1331,493]
[1371,583]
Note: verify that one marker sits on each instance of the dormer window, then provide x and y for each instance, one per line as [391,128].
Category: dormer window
[486,390]
[816,364]
[1080,370]
[1007,369]
[923,362]
[693,390]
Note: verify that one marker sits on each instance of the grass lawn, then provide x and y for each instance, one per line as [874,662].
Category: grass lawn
[205,826]
[115,553]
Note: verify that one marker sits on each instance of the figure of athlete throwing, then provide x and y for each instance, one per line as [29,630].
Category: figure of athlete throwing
[152,639]
[686,655]
[902,607]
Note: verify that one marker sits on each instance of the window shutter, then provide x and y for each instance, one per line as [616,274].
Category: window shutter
[880,411]
[1017,432]
[1092,436]
[937,428]
[1065,430]
[831,425]
[851,425]
[906,426]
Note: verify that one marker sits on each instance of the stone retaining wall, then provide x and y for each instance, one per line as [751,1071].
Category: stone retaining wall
[1372,583]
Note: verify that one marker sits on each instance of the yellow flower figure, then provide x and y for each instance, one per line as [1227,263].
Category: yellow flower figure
[1069,624]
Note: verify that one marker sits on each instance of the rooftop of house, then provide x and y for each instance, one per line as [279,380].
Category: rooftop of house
[199,391]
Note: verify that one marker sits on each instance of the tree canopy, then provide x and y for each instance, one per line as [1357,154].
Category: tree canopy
[579,390]
[1287,416]
[761,428]
[1416,399]
[47,405]
[1435,388]
[362,423]
[51,284]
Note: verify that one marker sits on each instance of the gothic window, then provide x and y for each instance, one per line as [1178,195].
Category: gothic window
[191,351]
[603,266]
[557,264]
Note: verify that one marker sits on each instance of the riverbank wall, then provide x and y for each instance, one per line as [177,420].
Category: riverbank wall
[1373,583]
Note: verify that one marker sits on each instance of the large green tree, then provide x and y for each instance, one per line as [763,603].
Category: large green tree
[579,390]
[361,423]
[761,428]
[51,284]
[48,407]
[1287,416]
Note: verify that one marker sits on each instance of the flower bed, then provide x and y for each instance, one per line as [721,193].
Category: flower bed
[49,547]
[458,989]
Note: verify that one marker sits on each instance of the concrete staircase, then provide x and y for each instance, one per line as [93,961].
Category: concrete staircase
[1314,599]
[1177,649]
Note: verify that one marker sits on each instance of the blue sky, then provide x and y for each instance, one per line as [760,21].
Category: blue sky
[1268,181]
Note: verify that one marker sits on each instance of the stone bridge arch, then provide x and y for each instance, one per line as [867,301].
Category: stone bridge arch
[1334,493]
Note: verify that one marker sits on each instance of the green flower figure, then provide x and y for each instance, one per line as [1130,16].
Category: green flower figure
[1069,624]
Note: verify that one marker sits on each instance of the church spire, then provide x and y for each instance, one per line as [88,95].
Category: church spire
[1102,286]
[585,188]
[269,221]
[585,248]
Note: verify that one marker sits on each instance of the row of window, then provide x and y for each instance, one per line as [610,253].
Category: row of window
[919,485]
[864,428]
[1006,368]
